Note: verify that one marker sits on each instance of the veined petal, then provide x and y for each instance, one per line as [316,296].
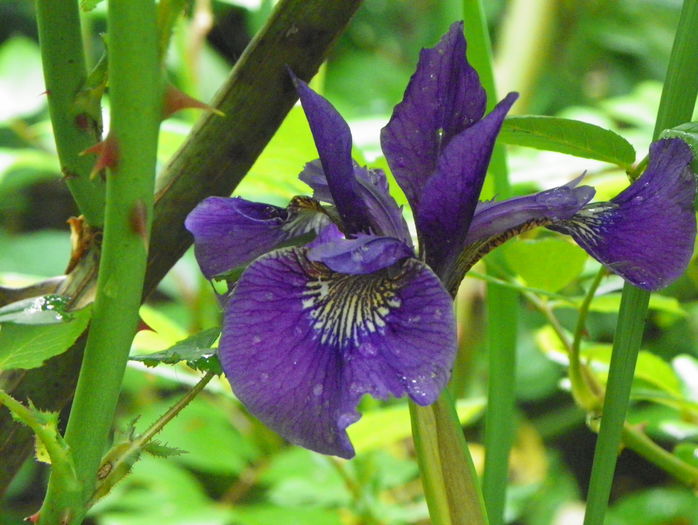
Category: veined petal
[492,219]
[646,233]
[443,97]
[333,141]
[364,254]
[301,344]
[382,212]
[450,196]
[231,232]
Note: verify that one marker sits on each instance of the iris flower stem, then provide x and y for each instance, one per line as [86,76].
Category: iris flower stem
[584,394]
[65,73]
[502,302]
[448,475]
[676,106]
[136,109]
[632,437]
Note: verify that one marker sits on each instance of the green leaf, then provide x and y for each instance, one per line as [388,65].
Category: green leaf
[687,132]
[610,303]
[47,309]
[572,137]
[28,346]
[550,263]
[195,350]
[157,449]
[89,5]
[21,80]
[204,431]
[394,424]
[650,370]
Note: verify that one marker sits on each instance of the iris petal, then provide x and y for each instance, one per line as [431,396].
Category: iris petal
[231,232]
[443,97]
[646,233]
[383,214]
[450,195]
[361,255]
[492,219]
[301,344]
[333,141]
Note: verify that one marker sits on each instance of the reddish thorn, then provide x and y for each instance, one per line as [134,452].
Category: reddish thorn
[142,325]
[107,152]
[82,121]
[176,100]
[34,518]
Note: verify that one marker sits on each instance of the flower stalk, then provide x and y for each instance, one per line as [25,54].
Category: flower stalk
[136,98]
[75,122]
[676,106]
[502,303]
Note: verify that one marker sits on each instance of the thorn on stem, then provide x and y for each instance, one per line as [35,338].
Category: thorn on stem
[107,152]
[176,100]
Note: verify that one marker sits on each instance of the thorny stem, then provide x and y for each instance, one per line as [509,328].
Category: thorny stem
[74,116]
[125,455]
[136,108]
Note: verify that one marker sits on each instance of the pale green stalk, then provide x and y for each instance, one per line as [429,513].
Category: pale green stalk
[676,106]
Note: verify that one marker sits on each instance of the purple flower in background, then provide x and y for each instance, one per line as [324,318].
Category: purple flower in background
[349,307]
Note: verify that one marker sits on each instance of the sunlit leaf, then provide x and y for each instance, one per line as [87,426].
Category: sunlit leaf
[610,303]
[572,137]
[394,424]
[28,345]
[21,82]
[550,263]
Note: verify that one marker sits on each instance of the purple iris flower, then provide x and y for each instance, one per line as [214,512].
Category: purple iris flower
[349,307]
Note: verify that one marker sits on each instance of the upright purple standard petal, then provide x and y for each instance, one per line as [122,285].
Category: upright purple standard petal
[333,141]
[232,232]
[450,196]
[383,214]
[646,233]
[443,98]
[302,344]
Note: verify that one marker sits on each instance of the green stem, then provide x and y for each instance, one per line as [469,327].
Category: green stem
[136,101]
[120,464]
[448,475]
[632,438]
[75,127]
[583,394]
[637,441]
[526,33]
[676,106]
[502,303]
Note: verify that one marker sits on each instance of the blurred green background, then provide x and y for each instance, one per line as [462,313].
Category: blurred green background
[598,61]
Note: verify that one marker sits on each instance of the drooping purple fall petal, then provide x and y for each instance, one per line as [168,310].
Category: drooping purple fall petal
[384,215]
[450,195]
[302,344]
[231,232]
[646,233]
[333,141]
[443,97]
[361,255]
